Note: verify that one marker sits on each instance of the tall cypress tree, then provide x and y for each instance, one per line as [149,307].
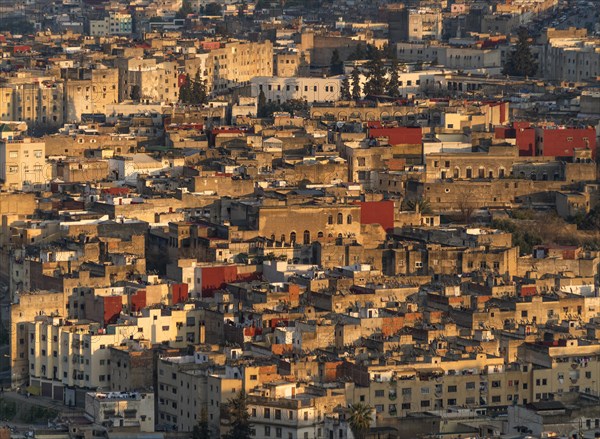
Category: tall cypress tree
[345,93]
[198,91]
[336,64]
[376,82]
[241,428]
[520,61]
[185,91]
[356,92]
[262,104]
[393,84]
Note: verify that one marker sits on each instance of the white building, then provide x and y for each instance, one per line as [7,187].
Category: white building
[121,409]
[115,23]
[281,89]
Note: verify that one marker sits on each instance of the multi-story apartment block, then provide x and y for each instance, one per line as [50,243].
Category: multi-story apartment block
[133,410]
[22,163]
[570,59]
[148,80]
[89,92]
[281,410]
[37,101]
[114,23]
[192,388]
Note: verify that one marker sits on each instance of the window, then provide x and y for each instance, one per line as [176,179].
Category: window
[452,389]
[293,237]
[470,385]
[330,219]
[340,218]
[306,237]
[267,430]
[267,413]
[425,403]
[349,219]
[306,416]
[379,393]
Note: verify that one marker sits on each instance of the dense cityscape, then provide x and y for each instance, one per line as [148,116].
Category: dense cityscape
[299,219]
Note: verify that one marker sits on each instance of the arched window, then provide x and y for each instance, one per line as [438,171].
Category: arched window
[469,173]
[293,237]
[349,219]
[340,218]
[456,173]
[306,237]
[330,219]
[501,173]
[273,237]
[282,238]
[320,235]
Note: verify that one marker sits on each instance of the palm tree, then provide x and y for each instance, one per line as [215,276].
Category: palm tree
[360,420]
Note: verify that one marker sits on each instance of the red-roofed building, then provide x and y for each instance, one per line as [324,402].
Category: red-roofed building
[561,142]
[378,212]
[399,135]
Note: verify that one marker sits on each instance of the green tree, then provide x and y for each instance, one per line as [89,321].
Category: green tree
[185,10]
[336,64]
[418,205]
[389,51]
[345,89]
[213,9]
[296,107]
[239,418]
[185,91]
[360,420]
[356,91]
[262,104]
[198,90]
[520,61]
[393,84]
[136,93]
[376,82]
[201,430]
[358,53]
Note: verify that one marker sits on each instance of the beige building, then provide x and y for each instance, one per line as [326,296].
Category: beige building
[148,80]
[92,94]
[236,63]
[131,410]
[193,386]
[22,163]
[35,100]
[282,410]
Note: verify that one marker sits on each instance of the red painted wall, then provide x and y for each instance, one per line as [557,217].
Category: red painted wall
[562,142]
[137,301]
[526,141]
[214,278]
[179,292]
[378,212]
[112,308]
[399,135]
